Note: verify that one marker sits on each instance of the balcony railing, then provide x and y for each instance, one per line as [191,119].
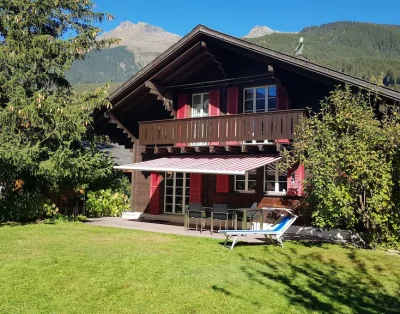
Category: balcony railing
[221,129]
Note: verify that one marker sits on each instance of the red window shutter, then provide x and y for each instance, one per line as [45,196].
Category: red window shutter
[295,188]
[214,109]
[233,108]
[233,100]
[282,98]
[222,183]
[214,103]
[154,205]
[195,188]
[182,108]
[300,174]
[181,112]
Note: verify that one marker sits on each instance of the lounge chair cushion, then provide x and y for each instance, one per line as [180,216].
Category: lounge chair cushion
[282,224]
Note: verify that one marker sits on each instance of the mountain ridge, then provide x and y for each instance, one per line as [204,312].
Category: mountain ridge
[365,50]
[259,31]
[144,40]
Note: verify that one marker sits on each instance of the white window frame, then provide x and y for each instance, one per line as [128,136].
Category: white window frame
[202,101]
[185,176]
[203,128]
[246,184]
[266,108]
[276,192]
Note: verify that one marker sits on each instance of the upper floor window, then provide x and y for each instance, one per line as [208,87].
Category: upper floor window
[200,105]
[247,182]
[275,180]
[259,99]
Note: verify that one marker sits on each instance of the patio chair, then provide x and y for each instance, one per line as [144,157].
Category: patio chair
[220,212]
[277,231]
[249,215]
[195,211]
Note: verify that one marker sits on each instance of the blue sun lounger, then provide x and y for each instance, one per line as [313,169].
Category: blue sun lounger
[276,231]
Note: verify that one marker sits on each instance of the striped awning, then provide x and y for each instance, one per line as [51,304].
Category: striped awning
[218,164]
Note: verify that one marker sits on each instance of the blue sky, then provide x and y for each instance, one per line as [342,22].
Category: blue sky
[237,17]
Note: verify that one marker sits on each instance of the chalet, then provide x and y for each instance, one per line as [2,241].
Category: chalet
[204,121]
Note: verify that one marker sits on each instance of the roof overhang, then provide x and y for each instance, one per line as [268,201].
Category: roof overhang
[218,164]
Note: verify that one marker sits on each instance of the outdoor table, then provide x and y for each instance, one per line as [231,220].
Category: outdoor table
[244,212]
[186,216]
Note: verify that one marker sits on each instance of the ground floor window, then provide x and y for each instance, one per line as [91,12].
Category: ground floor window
[275,180]
[247,182]
[177,187]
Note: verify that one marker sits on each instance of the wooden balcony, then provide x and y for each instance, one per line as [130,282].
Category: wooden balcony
[221,129]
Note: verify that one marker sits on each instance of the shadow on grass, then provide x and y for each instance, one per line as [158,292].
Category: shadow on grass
[305,241]
[318,282]
[230,294]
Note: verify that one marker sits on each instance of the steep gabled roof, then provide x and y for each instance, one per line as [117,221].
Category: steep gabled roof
[200,31]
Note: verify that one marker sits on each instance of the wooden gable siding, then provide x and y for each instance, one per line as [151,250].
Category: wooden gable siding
[141,185]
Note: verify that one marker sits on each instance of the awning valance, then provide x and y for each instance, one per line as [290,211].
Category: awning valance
[218,164]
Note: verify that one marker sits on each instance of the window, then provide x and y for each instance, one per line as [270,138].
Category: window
[200,105]
[259,99]
[177,187]
[247,182]
[275,180]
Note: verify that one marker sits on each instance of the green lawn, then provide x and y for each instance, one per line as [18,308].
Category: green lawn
[78,268]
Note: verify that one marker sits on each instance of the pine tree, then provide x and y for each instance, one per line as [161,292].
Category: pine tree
[46,138]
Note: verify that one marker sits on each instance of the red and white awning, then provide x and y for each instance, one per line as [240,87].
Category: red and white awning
[218,164]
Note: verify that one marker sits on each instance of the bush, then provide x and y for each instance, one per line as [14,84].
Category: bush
[106,203]
[351,148]
[21,206]
[63,218]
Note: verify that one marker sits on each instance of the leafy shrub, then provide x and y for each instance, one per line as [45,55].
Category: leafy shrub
[352,152]
[106,203]
[63,218]
[81,218]
[116,181]
[21,206]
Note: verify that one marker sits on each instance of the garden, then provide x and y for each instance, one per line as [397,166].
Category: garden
[79,268]
[51,262]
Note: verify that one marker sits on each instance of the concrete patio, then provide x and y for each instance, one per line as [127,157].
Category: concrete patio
[162,227]
[294,233]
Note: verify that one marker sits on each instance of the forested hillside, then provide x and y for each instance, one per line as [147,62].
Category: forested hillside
[361,49]
[114,64]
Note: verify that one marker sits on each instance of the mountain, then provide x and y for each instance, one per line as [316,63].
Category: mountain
[114,64]
[139,44]
[365,50]
[259,31]
[144,40]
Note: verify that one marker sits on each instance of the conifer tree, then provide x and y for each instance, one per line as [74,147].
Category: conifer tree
[46,136]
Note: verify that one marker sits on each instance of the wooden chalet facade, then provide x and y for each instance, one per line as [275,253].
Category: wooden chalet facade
[216,97]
